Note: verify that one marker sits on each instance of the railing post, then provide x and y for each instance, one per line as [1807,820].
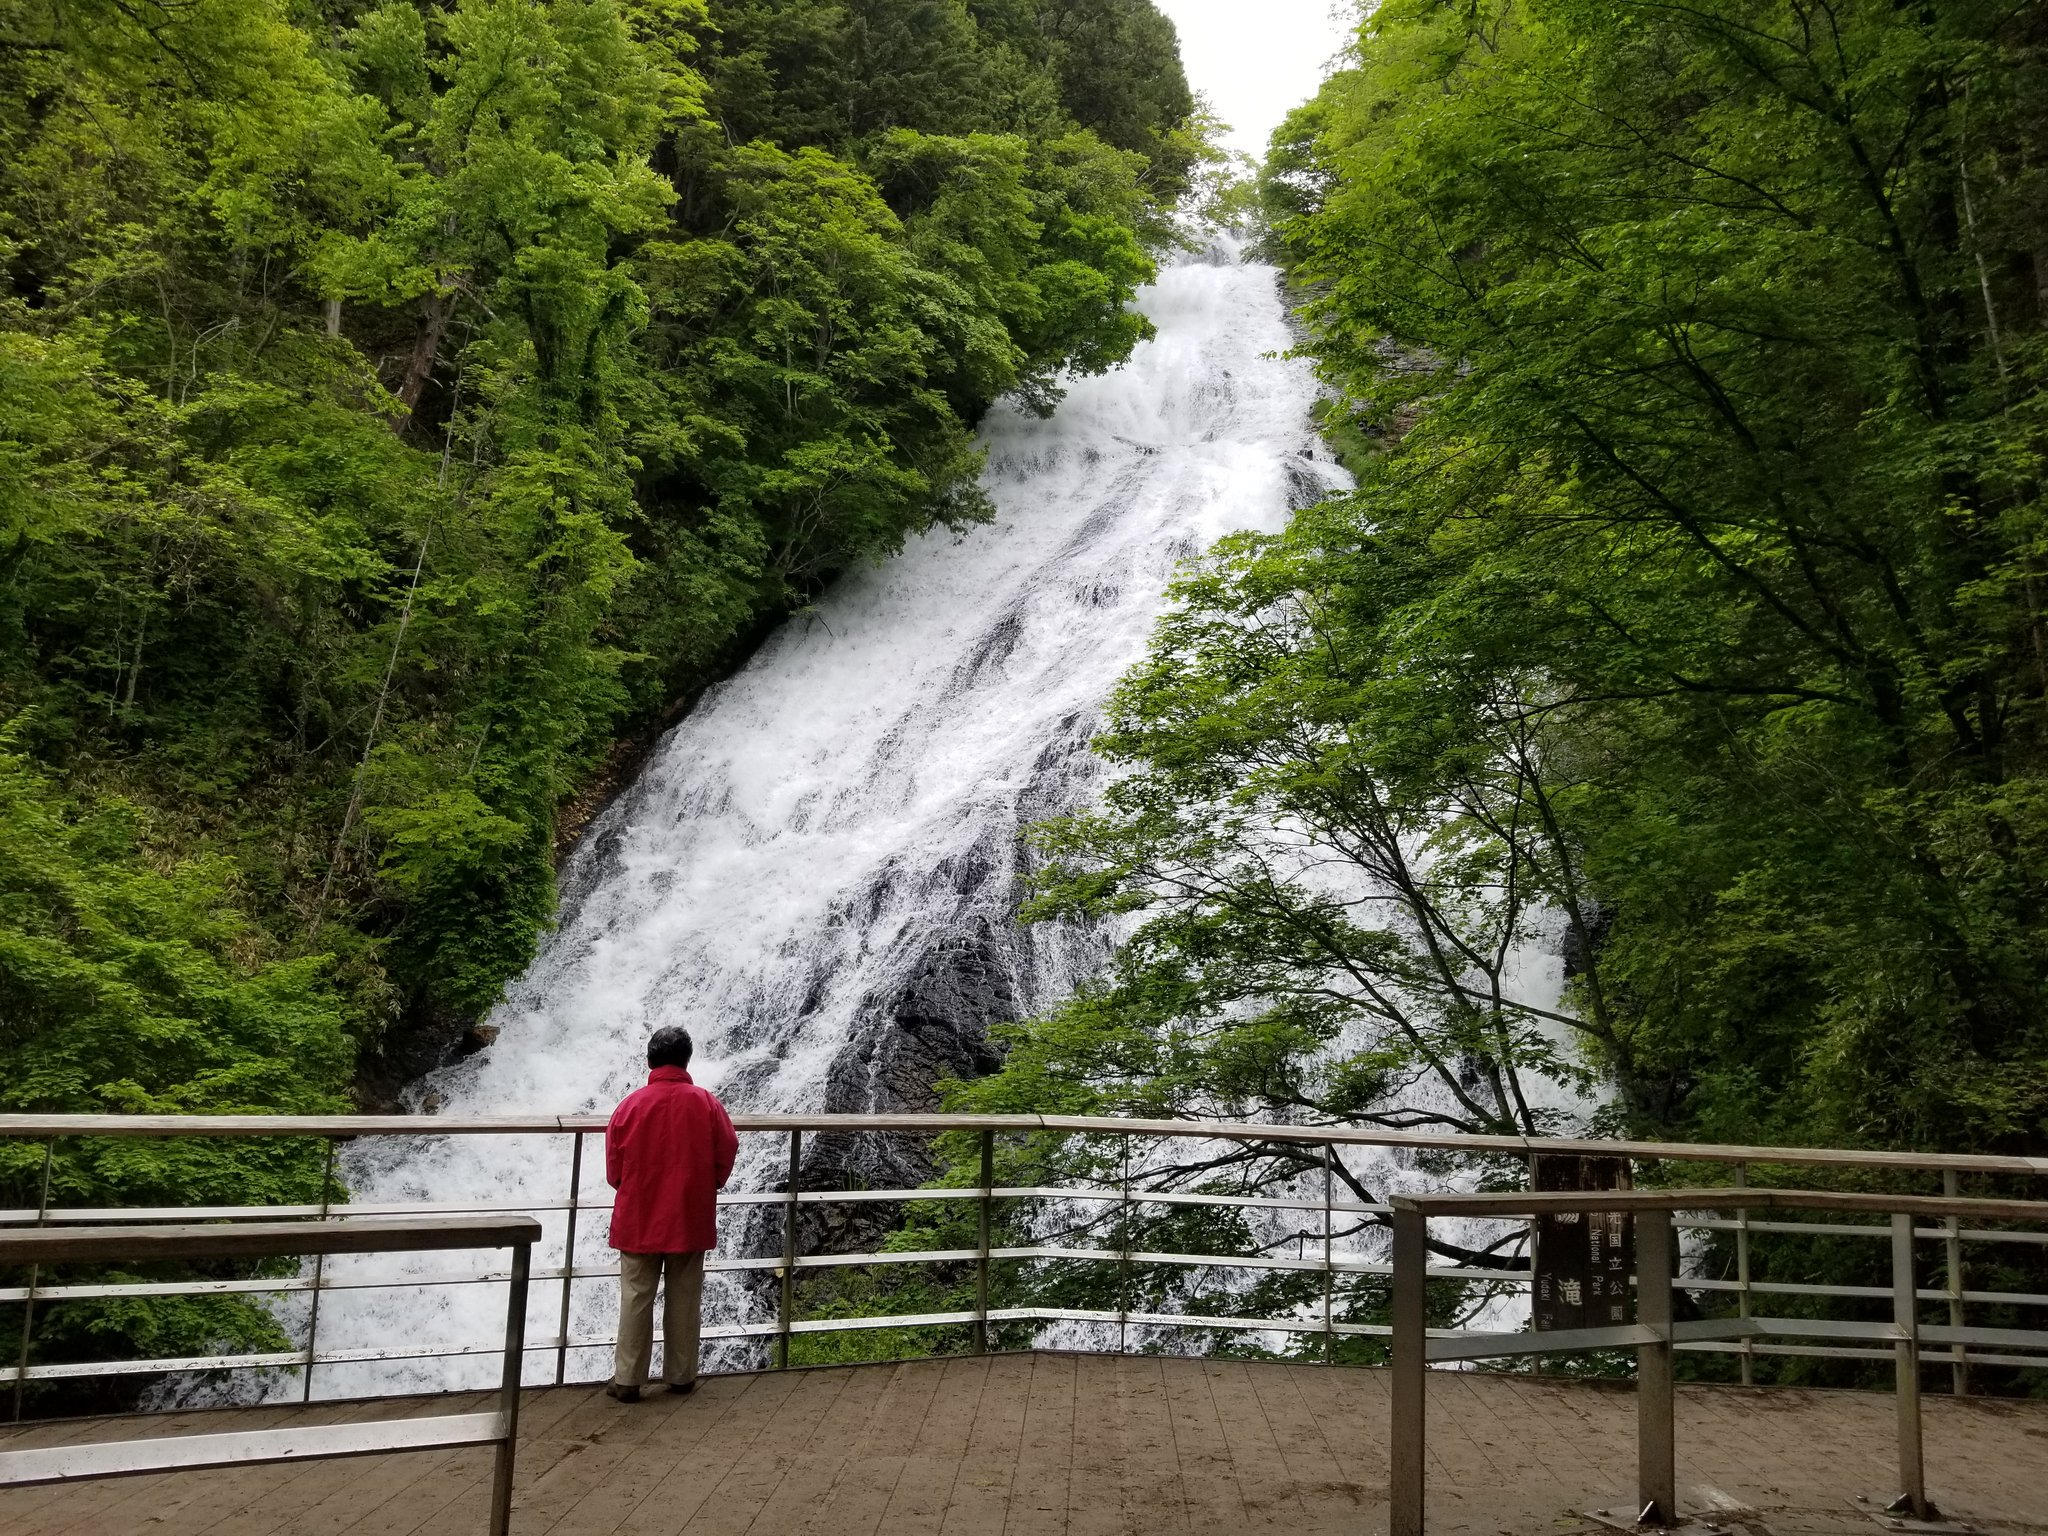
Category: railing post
[508,1391]
[569,1260]
[1912,1499]
[1123,1265]
[1656,1459]
[786,1312]
[319,1274]
[1329,1268]
[1411,1368]
[988,1179]
[1959,1355]
[35,1275]
[1743,1303]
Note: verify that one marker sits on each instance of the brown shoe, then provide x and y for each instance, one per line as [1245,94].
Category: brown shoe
[622,1392]
[682,1388]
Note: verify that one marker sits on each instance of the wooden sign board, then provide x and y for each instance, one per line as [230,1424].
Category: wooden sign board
[1583,1259]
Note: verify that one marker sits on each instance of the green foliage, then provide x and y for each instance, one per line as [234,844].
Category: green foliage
[127,987]
[399,401]
[1687,612]
[1685,605]
[130,984]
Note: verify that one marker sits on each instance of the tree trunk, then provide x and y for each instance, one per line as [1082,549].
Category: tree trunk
[426,352]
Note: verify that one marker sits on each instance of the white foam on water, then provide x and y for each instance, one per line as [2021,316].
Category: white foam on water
[795,848]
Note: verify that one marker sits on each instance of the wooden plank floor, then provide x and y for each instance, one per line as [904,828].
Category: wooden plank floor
[1078,1445]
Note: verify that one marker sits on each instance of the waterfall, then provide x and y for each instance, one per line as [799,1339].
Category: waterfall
[817,870]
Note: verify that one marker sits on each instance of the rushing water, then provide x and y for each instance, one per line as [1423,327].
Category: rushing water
[816,872]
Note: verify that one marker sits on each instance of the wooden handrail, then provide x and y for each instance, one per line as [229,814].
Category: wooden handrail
[1654,1334]
[276,1239]
[44,1126]
[263,1239]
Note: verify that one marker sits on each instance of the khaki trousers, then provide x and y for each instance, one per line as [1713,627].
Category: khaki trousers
[638,1275]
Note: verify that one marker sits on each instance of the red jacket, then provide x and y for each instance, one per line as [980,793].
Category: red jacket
[668,1151]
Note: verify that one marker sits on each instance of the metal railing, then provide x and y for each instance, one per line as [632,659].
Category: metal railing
[275,1239]
[1655,1334]
[1319,1151]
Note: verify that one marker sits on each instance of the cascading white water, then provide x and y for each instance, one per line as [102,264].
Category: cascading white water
[816,871]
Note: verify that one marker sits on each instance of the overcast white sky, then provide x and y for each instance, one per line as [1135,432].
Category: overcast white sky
[1256,60]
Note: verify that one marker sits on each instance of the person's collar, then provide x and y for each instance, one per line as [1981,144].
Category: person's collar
[668,1075]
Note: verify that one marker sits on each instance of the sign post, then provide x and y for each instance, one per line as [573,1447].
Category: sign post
[1583,1259]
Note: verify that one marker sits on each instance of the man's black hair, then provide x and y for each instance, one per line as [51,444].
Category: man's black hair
[669,1046]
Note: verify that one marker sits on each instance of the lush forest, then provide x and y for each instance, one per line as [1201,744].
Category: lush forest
[1688,617]
[404,404]
[402,407]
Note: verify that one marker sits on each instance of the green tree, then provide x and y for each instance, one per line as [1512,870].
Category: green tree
[401,402]
[1686,614]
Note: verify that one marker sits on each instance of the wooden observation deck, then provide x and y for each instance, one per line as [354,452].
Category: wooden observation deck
[1002,1439]
[1088,1445]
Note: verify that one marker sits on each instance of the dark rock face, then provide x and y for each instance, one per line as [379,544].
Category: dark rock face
[938,1026]
[932,1027]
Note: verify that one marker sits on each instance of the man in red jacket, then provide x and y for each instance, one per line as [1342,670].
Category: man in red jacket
[668,1151]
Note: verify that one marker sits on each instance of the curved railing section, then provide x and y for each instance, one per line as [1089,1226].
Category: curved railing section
[1320,1200]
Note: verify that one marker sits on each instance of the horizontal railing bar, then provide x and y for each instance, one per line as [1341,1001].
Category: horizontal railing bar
[117,1213]
[1999,1298]
[1827,1352]
[286,1284]
[1786,1228]
[2022,1362]
[1252,1202]
[1804,1351]
[2002,1338]
[892,1196]
[1449,1272]
[1857,1229]
[82,1214]
[283,1284]
[1051,1192]
[212,1240]
[1237,1324]
[120,1213]
[1239,1261]
[350,1126]
[1225,1261]
[298,1358]
[911,1320]
[1820,1328]
[912,1256]
[1528,1203]
[71,1370]
[1047,1252]
[1050,1315]
[185,1453]
[1696,1335]
[1792,1288]
[1858,1292]
[1559,1341]
[43,1293]
[289,1284]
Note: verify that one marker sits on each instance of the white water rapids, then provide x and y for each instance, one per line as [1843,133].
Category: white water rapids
[816,871]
